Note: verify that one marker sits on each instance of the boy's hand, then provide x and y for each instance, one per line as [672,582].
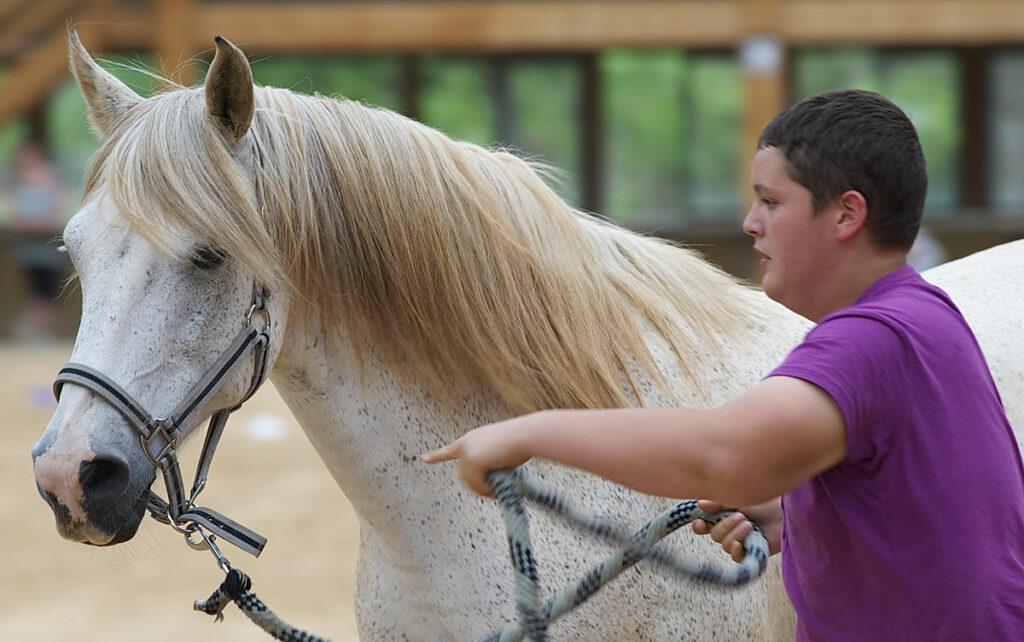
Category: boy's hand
[731,531]
[491,447]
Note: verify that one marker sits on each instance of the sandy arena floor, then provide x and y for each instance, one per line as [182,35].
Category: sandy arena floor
[266,476]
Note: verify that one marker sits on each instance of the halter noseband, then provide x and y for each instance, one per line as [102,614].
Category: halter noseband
[159,436]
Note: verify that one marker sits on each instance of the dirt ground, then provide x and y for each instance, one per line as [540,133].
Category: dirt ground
[266,476]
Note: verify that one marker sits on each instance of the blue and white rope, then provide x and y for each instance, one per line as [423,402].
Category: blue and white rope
[510,489]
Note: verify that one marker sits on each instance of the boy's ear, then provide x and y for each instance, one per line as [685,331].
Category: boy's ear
[853,213]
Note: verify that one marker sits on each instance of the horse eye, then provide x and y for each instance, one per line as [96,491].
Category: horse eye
[207,258]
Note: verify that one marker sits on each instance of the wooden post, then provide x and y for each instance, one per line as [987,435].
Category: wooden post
[592,121]
[175,44]
[762,55]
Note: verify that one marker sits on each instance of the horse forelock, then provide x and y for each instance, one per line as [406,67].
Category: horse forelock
[171,172]
[458,263]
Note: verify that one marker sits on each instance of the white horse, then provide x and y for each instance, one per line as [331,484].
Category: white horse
[418,287]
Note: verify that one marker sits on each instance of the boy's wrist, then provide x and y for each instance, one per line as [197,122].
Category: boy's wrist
[533,433]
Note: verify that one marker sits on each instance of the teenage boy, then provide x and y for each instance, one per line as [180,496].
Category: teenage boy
[877,457]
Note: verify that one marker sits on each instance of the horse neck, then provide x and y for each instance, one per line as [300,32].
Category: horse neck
[367,423]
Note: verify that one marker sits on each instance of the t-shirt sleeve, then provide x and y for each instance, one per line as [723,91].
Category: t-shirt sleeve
[859,362]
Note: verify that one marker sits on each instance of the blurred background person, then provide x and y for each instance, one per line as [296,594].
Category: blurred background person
[37,212]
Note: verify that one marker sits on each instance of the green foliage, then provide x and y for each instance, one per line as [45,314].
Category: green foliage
[643,103]
[539,120]
[12,136]
[1006,133]
[455,98]
[671,135]
[714,140]
[545,110]
[374,80]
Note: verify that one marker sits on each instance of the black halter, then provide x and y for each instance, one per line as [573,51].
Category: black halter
[159,436]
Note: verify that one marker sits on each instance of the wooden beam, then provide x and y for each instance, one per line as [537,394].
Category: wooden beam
[29,81]
[35,18]
[129,30]
[567,25]
[10,9]
[903,22]
[562,25]
[471,26]
[572,25]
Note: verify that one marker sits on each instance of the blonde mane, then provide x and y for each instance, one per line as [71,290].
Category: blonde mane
[458,264]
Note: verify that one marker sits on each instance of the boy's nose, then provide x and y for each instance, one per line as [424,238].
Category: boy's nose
[752,223]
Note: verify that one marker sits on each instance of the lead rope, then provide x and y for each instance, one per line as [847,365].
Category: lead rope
[510,489]
[235,588]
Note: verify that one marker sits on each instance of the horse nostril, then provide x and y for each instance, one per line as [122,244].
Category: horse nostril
[103,481]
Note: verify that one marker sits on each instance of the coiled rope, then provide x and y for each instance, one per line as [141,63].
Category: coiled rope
[511,487]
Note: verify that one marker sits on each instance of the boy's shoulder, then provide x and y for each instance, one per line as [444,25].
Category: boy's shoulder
[902,296]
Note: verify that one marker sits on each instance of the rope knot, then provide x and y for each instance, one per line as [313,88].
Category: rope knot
[236,588]
[235,584]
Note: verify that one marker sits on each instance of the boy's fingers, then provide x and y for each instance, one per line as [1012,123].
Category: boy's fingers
[709,506]
[720,530]
[733,540]
[737,552]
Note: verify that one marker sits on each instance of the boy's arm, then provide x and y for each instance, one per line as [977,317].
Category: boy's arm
[758,446]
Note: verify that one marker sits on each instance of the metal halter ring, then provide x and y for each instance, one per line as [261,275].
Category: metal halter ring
[159,428]
[186,530]
[259,302]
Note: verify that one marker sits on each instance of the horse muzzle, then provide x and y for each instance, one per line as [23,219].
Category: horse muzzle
[95,502]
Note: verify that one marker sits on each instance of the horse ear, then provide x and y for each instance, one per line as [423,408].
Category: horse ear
[106,97]
[229,93]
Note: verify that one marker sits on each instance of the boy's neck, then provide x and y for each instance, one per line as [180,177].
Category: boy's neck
[851,279]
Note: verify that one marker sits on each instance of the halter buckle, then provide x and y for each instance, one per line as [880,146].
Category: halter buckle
[159,430]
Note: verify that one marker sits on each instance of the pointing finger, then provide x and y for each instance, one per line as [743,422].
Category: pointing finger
[445,453]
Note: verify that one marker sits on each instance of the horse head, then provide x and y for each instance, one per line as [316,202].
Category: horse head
[160,299]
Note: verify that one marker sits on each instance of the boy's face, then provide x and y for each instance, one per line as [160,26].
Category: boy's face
[794,244]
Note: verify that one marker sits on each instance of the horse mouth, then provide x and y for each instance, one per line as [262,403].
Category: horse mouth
[112,527]
[130,524]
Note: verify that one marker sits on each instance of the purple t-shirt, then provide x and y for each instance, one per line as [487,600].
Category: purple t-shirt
[918,534]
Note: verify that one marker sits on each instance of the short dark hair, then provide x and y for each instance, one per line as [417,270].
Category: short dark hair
[859,140]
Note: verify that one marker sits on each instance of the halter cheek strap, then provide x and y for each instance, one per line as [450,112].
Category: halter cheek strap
[159,436]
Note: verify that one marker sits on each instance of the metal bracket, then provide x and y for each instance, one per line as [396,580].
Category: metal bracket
[159,430]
